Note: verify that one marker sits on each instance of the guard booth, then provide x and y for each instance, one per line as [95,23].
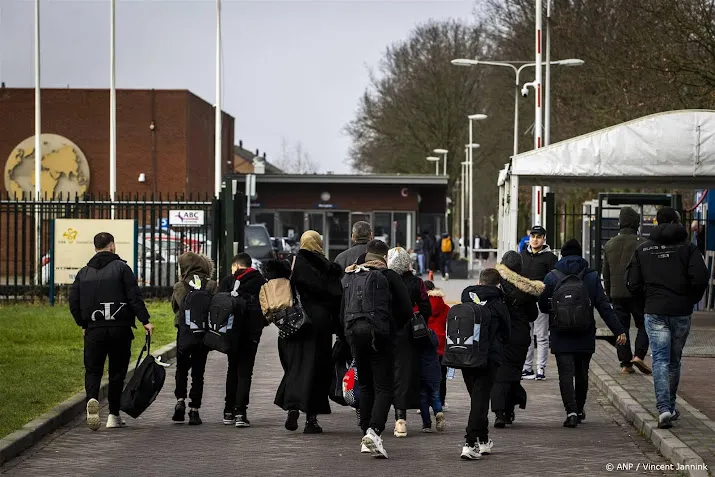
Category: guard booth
[599,220]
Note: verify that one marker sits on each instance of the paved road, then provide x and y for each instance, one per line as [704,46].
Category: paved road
[154,446]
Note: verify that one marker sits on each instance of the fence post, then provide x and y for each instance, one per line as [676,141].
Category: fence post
[550,206]
[51,271]
[216,234]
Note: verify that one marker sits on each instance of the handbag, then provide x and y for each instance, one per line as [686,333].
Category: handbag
[418,325]
[291,320]
[145,384]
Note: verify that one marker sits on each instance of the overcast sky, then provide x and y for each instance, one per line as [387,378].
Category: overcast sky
[292,69]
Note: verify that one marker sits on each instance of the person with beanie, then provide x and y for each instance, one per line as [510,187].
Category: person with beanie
[573,349]
[407,354]
[669,274]
[520,296]
[538,260]
[374,353]
[617,255]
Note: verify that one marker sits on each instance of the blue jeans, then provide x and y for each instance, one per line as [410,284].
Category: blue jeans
[421,263]
[429,396]
[667,336]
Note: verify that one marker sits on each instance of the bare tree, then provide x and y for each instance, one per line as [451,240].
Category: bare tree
[295,160]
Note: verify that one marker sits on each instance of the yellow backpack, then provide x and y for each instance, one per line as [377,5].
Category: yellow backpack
[446,245]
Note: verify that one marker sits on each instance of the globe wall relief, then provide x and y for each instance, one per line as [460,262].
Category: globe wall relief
[65,170]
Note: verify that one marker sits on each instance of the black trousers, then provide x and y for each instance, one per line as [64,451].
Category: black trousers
[479,384]
[443,383]
[241,360]
[573,368]
[376,376]
[624,308]
[114,342]
[195,360]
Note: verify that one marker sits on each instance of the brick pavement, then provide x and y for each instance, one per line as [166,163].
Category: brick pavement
[693,428]
[154,446]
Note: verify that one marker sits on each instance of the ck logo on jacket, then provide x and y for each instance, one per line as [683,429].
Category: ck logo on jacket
[106,313]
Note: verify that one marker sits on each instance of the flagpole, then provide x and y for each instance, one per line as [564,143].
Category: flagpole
[218,145]
[38,151]
[112,108]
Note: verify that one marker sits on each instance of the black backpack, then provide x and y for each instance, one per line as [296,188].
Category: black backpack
[571,310]
[195,314]
[419,326]
[145,384]
[366,295]
[226,311]
[468,329]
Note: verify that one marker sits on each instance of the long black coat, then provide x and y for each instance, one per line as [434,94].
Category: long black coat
[307,357]
[520,295]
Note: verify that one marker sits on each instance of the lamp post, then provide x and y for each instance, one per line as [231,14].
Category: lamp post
[472,146]
[436,161]
[463,199]
[443,151]
[517,89]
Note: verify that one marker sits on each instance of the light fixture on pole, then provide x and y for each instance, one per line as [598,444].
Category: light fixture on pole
[443,151]
[38,151]
[517,89]
[472,146]
[112,107]
[462,201]
[218,129]
[436,161]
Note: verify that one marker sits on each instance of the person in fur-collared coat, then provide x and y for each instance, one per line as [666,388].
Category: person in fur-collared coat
[306,357]
[521,296]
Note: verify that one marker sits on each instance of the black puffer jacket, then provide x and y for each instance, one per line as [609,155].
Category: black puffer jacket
[500,326]
[618,252]
[668,272]
[250,285]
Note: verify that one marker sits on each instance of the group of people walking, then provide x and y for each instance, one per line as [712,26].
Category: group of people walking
[368,299]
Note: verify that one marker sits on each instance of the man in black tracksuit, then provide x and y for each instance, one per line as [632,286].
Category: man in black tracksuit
[479,381]
[669,273]
[538,261]
[104,300]
[242,356]
[374,353]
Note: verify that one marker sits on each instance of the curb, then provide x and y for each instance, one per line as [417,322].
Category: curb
[667,444]
[31,433]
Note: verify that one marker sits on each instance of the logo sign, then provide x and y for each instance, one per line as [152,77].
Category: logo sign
[186,218]
[74,244]
[327,206]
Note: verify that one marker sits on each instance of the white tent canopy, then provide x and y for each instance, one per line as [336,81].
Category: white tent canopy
[671,149]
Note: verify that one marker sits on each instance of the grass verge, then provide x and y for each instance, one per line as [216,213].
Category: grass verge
[41,358]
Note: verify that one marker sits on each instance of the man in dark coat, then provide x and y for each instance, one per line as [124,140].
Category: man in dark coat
[617,255]
[520,296]
[362,234]
[573,350]
[669,272]
[242,357]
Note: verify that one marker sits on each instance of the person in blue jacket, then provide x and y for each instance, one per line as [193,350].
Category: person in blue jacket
[573,350]
[524,242]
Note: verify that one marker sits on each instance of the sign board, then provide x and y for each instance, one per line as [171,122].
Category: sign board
[186,218]
[163,223]
[326,206]
[74,244]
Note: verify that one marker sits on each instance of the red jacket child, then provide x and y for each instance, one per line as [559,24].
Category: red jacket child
[438,321]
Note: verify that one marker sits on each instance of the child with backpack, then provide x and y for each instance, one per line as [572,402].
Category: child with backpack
[190,302]
[438,323]
[572,291]
[375,304]
[430,380]
[476,331]
[246,337]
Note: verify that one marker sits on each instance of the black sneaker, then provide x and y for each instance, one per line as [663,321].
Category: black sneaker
[528,375]
[427,428]
[179,412]
[194,419]
[242,421]
[581,416]
[510,418]
[500,422]
[312,426]
[229,418]
[292,420]
[571,421]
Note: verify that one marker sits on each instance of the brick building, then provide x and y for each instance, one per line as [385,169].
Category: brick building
[166,135]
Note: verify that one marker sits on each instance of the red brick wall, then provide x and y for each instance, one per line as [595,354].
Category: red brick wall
[183,138]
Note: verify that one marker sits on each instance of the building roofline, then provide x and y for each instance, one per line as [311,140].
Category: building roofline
[391,179]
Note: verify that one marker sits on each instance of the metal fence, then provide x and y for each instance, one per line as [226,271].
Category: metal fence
[26,246]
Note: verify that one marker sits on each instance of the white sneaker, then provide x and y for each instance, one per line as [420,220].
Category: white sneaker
[400,428]
[445,407]
[364,449]
[115,422]
[485,448]
[93,419]
[471,452]
[441,423]
[373,442]
[446,276]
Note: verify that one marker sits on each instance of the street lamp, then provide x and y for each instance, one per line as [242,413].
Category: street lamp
[463,199]
[472,146]
[436,161]
[517,70]
[443,151]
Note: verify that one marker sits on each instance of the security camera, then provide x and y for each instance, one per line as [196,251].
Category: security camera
[525,91]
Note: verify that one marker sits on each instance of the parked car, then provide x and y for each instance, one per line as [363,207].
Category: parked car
[258,243]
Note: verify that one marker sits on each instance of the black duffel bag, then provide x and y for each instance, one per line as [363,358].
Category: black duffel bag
[145,384]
